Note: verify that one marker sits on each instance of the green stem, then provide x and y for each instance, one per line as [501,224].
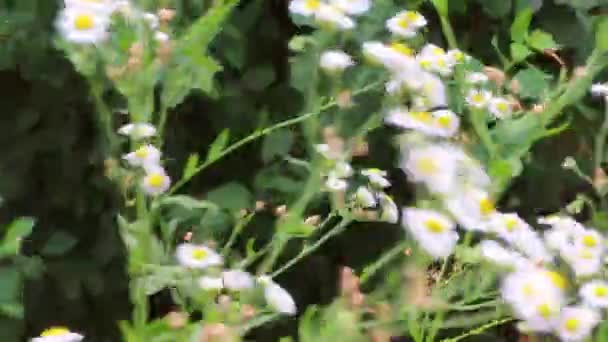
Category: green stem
[235,233]
[600,139]
[478,120]
[478,330]
[162,122]
[260,133]
[448,32]
[341,227]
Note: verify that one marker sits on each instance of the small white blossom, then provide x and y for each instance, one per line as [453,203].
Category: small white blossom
[599,89]
[388,209]
[155,181]
[82,25]
[595,293]
[58,334]
[433,165]
[332,16]
[197,256]
[98,6]
[477,78]
[365,198]
[144,155]
[500,108]
[151,19]
[582,261]
[497,254]
[210,283]
[434,232]
[473,208]
[237,280]
[137,131]
[161,37]
[435,59]
[336,184]
[443,123]
[478,98]
[352,7]
[277,297]
[335,61]
[377,177]
[576,323]
[406,24]
[304,7]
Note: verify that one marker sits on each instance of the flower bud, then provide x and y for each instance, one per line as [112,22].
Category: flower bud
[260,205]
[280,210]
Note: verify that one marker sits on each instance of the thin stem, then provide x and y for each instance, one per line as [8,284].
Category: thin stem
[481,129]
[162,122]
[448,32]
[260,133]
[235,233]
[600,139]
[479,330]
[309,249]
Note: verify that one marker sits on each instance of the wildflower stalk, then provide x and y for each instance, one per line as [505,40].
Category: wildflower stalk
[478,330]
[263,132]
[235,233]
[441,6]
[600,139]
[481,129]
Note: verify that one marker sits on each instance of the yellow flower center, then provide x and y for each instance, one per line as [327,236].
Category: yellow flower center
[528,290]
[544,310]
[402,49]
[442,63]
[434,226]
[199,254]
[590,241]
[557,279]
[502,107]
[438,51]
[571,324]
[444,121]
[411,16]
[425,117]
[601,291]
[458,56]
[478,98]
[141,152]
[486,206]
[312,4]
[511,224]
[404,23]
[156,180]
[55,331]
[84,22]
[426,166]
[426,64]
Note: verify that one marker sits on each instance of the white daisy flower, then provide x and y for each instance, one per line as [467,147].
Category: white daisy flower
[499,255]
[304,7]
[434,232]
[332,16]
[599,89]
[161,37]
[58,334]
[156,181]
[531,244]
[277,297]
[433,90]
[443,123]
[508,227]
[341,169]
[151,19]
[82,25]
[478,98]
[406,24]
[595,293]
[138,131]
[590,239]
[564,232]
[433,165]
[576,323]
[210,283]
[336,184]
[365,198]
[352,7]
[398,57]
[197,256]
[389,211]
[500,108]
[237,280]
[473,208]
[144,155]
[476,78]
[582,261]
[376,177]
[335,61]
[435,59]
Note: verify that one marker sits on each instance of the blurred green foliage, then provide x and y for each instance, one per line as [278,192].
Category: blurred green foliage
[52,166]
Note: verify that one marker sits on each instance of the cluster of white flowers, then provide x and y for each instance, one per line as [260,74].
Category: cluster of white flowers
[201,257]
[88,21]
[334,13]
[58,334]
[147,157]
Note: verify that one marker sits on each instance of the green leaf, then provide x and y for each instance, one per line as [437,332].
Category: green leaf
[532,83]
[218,145]
[441,6]
[16,231]
[496,9]
[59,243]
[519,28]
[601,34]
[276,144]
[540,41]
[519,52]
[232,196]
[191,165]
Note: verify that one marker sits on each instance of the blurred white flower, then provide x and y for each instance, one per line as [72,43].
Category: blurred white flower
[352,7]
[151,19]
[144,155]
[434,232]
[364,198]
[476,78]
[435,59]
[599,89]
[590,239]
[500,108]
[389,211]
[277,297]
[398,58]
[161,36]
[433,91]
[137,131]
[478,98]
[335,61]
[155,181]
[304,7]
[83,25]
[210,283]
[335,184]
[237,280]
[499,255]
[576,323]
[376,177]
[197,256]
[433,165]
[443,123]
[58,334]
[406,24]
[473,208]
[341,169]
[595,293]
[98,6]
[332,16]
[582,261]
